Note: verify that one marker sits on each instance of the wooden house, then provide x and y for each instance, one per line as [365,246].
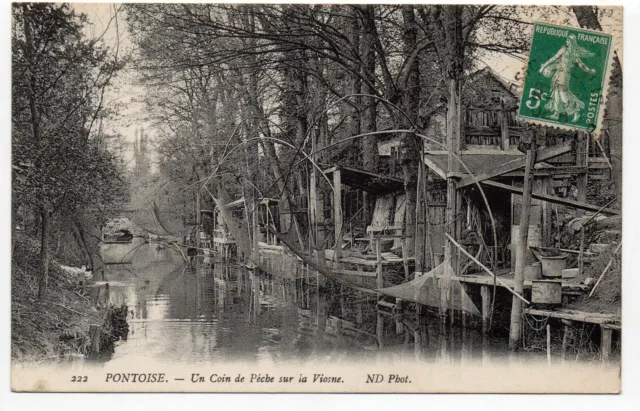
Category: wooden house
[488,173]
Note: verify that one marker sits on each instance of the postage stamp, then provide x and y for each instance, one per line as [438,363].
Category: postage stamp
[566,78]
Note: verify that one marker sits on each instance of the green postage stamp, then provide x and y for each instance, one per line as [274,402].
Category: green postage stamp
[567,78]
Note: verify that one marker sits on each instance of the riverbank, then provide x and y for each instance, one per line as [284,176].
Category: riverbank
[49,330]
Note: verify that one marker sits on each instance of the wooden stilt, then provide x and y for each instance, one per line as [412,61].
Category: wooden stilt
[380,330]
[565,338]
[405,262]
[337,212]
[398,317]
[605,345]
[582,155]
[581,255]
[486,307]
[379,284]
[465,308]
[94,338]
[452,310]
[515,329]
[548,344]
[547,238]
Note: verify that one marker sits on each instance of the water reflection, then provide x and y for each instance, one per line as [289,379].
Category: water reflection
[211,312]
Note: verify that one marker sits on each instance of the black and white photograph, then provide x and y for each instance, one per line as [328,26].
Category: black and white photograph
[316,198]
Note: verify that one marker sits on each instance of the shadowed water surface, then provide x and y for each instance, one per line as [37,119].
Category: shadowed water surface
[204,311]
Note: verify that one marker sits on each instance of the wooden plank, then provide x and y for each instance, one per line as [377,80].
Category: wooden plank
[356,273]
[593,318]
[552,199]
[515,164]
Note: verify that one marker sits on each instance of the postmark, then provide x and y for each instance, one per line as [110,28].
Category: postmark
[566,78]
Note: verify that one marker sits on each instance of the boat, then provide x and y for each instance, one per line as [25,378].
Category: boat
[118,237]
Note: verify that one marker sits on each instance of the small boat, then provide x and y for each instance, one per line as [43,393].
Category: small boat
[120,236]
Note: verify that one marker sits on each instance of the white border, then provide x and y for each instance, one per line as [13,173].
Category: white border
[631,306]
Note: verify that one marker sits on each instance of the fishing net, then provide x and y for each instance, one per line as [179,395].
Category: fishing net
[434,289]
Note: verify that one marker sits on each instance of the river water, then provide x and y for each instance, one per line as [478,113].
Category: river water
[207,311]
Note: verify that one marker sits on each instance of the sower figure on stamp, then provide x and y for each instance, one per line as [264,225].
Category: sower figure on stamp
[558,67]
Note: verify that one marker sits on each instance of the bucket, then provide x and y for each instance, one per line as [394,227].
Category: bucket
[553,266]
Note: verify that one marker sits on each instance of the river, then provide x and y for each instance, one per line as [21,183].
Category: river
[207,311]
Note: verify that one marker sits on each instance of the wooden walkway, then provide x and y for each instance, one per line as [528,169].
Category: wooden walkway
[607,322]
[508,279]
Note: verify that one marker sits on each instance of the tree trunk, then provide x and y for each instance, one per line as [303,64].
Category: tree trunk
[452,16]
[356,82]
[368,124]
[44,254]
[410,145]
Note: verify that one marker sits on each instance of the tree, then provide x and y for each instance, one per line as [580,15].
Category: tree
[59,78]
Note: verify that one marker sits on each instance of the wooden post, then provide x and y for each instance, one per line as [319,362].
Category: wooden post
[605,346]
[337,212]
[465,307]
[398,317]
[515,329]
[379,278]
[94,338]
[548,344]
[255,293]
[255,252]
[379,284]
[504,126]
[565,338]
[581,255]
[486,307]
[452,311]
[582,160]
[313,202]
[417,344]
[198,218]
[547,188]
[405,262]
[107,295]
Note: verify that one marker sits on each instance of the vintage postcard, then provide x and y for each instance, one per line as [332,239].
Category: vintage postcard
[216,197]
